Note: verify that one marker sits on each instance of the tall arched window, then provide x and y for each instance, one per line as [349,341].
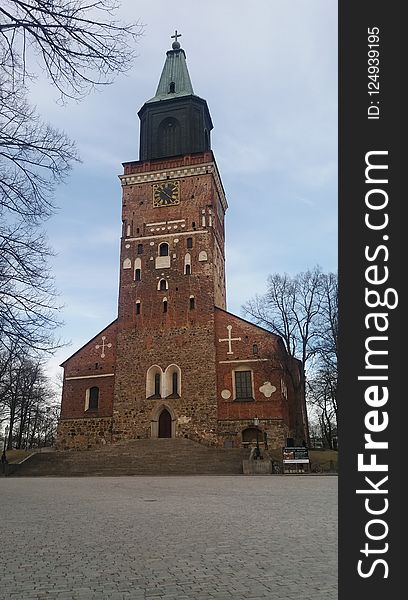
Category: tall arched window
[172,382]
[164,249]
[154,382]
[163,285]
[169,137]
[164,306]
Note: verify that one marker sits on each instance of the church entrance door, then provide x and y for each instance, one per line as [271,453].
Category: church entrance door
[165,424]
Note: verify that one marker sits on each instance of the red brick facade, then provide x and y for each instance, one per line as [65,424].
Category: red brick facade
[171,318]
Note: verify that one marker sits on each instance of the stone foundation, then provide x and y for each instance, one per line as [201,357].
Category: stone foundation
[82,434]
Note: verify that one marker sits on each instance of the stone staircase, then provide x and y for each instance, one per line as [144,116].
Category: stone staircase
[176,456]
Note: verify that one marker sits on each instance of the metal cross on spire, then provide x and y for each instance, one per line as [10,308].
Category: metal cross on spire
[176,35]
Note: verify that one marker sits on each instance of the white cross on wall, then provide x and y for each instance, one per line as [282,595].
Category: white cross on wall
[230,339]
[103,346]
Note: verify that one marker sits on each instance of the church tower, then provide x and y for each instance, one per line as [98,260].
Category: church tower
[175,363]
[172,261]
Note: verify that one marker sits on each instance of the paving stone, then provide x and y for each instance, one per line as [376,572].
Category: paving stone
[205,538]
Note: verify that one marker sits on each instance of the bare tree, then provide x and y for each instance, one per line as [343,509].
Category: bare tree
[302,309]
[79,45]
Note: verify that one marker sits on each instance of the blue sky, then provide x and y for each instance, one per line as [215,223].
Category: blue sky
[268,70]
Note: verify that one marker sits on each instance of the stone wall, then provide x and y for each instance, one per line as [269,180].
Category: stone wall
[82,434]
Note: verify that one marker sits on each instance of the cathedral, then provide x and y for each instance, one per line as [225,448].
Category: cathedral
[175,362]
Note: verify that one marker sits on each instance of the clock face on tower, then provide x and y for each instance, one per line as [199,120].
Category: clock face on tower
[166,193]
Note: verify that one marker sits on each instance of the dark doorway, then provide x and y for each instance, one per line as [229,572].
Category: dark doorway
[165,424]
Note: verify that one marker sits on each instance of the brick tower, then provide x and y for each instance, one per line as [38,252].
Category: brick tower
[175,362]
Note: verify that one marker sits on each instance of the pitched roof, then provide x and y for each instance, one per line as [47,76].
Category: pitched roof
[175,76]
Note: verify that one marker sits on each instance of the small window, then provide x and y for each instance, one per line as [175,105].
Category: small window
[188,269]
[138,275]
[138,308]
[193,224]
[255,349]
[164,249]
[93,398]
[175,384]
[243,385]
[163,284]
[140,248]
[172,87]
[157,381]
[189,242]
[192,303]
[165,306]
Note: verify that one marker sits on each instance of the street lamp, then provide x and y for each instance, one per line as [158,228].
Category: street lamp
[258,452]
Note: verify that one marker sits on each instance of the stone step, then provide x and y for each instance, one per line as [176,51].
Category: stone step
[137,457]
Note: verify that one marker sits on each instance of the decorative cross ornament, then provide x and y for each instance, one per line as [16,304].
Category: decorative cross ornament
[103,346]
[176,35]
[230,339]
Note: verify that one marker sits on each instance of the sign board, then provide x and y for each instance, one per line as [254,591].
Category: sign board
[295,455]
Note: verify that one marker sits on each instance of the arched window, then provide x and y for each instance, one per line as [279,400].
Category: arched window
[172,87]
[92,398]
[164,249]
[138,269]
[172,382]
[163,285]
[127,263]
[192,303]
[164,306]
[189,242]
[154,379]
[138,307]
[187,264]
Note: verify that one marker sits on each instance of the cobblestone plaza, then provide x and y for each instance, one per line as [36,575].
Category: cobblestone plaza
[178,538]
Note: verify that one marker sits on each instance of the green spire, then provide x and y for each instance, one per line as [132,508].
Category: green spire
[175,79]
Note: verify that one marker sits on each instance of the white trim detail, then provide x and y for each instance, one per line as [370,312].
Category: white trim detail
[165,235]
[243,360]
[89,376]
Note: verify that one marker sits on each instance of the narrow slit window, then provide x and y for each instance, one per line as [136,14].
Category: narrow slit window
[165,306]
[172,87]
[157,381]
[175,384]
[93,398]
[138,275]
[188,269]
[189,242]
[138,308]
[192,303]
